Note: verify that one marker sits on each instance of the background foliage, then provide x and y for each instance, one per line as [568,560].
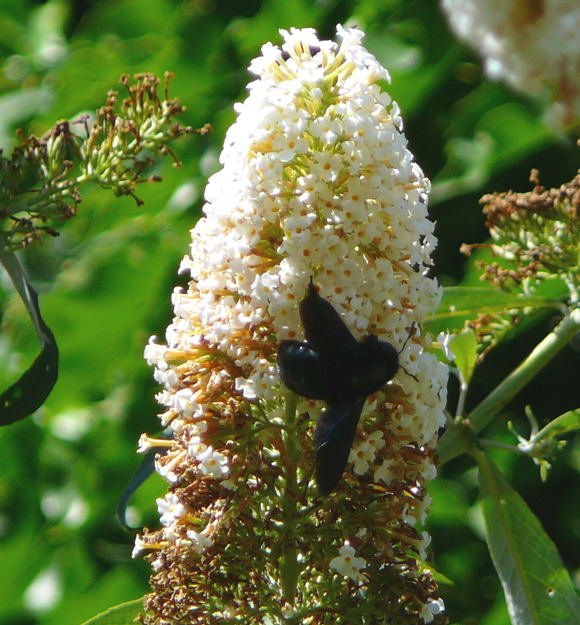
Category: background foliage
[105,283]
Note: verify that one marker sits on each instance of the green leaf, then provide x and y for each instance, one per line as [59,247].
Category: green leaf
[464,348]
[124,614]
[28,393]
[462,300]
[567,422]
[537,587]
[461,303]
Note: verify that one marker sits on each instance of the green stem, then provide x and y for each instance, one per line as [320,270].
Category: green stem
[491,444]
[458,438]
[462,395]
[289,566]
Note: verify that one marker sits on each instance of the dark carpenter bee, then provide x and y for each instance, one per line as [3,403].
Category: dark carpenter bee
[333,366]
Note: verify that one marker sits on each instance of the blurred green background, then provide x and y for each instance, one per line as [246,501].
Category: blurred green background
[105,283]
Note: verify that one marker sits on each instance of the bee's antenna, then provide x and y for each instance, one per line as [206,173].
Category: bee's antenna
[409,374]
[411,333]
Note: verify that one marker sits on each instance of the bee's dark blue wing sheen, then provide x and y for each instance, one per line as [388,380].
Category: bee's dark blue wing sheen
[304,371]
[324,328]
[333,438]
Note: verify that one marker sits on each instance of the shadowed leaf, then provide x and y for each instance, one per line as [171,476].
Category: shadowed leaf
[29,393]
[536,585]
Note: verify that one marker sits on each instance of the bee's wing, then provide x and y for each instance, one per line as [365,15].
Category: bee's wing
[333,438]
[303,370]
[324,328]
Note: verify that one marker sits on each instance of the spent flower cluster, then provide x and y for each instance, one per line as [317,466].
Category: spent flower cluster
[535,235]
[40,182]
[534,240]
[316,182]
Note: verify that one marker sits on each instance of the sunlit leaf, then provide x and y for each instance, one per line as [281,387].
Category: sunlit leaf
[124,614]
[464,349]
[460,303]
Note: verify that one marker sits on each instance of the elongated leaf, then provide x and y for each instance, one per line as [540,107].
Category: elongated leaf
[462,300]
[462,303]
[29,392]
[567,422]
[123,614]
[537,587]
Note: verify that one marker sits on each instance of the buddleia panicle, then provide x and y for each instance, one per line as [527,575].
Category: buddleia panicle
[316,182]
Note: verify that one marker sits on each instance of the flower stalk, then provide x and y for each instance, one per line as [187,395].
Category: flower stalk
[289,565]
[452,443]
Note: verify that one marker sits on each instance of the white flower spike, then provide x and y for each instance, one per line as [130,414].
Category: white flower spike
[316,182]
